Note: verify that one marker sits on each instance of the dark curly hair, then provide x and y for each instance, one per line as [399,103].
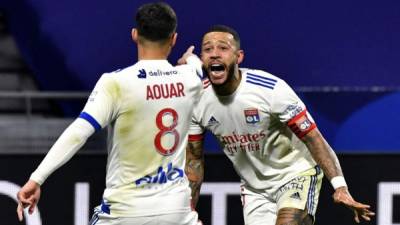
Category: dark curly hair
[225,29]
[156,21]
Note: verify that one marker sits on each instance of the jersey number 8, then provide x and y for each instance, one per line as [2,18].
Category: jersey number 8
[164,130]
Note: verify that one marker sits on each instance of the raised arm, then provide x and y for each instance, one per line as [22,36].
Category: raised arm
[191,59]
[195,168]
[326,158]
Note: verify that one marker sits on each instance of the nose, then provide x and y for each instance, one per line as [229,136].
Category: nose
[214,54]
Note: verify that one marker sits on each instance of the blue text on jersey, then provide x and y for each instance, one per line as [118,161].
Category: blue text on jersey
[162,176]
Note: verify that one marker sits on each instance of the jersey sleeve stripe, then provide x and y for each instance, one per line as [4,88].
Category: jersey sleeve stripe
[196,137]
[262,77]
[86,116]
[206,83]
[260,81]
[260,84]
[311,204]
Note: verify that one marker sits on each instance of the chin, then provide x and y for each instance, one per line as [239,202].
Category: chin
[218,82]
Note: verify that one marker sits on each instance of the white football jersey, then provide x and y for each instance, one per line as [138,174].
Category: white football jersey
[148,108]
[252,127]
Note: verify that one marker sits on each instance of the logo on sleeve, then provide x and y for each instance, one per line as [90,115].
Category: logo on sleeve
[93,96]
[305,124]
[212,121]
[251,116]
[293,110]
[142,74]
[296,195]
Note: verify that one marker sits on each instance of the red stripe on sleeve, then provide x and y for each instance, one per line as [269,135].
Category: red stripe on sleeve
[303,133]
[196,137]
[301,124]
[298,116]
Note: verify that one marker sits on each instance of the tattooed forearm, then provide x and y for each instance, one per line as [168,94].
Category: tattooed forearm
[195,168]
[291,216]
[323,154]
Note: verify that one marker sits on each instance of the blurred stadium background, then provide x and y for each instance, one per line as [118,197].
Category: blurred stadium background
[341,57]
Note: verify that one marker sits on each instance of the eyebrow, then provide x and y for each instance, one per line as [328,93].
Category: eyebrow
[223,42]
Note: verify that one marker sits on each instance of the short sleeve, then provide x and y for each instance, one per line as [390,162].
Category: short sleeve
[286,104]
[196,131]
[291,110]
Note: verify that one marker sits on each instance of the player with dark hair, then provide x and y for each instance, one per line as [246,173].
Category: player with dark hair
[268,134]
[147,107]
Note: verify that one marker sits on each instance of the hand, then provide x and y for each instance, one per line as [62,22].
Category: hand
[189,52]
[28,196]
[342,196]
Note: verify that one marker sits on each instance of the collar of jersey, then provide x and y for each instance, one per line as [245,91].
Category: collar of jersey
[151,61]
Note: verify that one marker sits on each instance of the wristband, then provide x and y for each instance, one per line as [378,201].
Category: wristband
[338,181]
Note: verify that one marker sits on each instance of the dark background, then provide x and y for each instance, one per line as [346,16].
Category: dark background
[363,173]
[350,46]
[341,57]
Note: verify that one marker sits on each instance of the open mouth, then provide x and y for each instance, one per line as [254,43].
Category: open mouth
[217,69]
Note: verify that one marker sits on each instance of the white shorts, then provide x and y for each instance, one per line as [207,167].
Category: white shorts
[183,218]
[302,192]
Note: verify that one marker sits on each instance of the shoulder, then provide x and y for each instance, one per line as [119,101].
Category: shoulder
[113,81]
[189,74]
[260,73]
[187,68]
[261,78]
[124,74]
[106,77]
[122,71]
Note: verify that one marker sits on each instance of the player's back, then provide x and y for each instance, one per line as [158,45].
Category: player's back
[149,114]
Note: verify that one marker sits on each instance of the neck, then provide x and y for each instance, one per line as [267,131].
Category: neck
[150,51]
[230,86]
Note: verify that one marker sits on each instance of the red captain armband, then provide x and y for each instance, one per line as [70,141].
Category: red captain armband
[196,137]
[301,124]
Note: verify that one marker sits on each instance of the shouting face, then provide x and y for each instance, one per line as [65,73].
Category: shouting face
[220,56]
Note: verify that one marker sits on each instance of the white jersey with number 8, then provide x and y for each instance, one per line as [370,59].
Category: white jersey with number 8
[148,107]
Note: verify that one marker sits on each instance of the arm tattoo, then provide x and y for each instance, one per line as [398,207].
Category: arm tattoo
[323,154]
[291,216]
[195,168]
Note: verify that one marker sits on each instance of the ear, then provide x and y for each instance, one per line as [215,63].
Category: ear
[134,35]
[240,56]
[173,39]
